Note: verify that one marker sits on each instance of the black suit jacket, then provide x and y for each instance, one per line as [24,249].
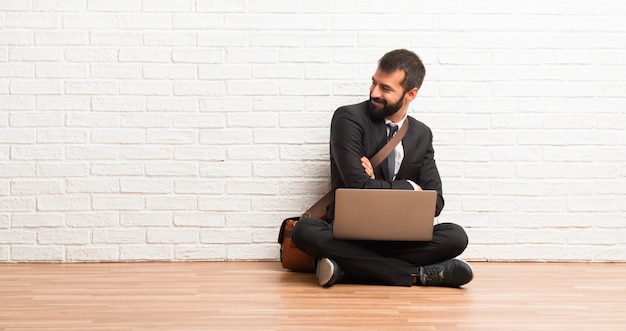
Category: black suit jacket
[353,134]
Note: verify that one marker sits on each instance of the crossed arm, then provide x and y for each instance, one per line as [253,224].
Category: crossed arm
[369,170]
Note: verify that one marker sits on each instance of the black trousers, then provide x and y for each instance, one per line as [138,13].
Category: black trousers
[384,262]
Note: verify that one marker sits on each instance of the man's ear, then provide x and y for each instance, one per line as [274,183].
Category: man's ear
[411,94]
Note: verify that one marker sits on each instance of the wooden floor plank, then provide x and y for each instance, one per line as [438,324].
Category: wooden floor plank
[262,296]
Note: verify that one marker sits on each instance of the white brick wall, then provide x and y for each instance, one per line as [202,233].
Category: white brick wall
[187,130]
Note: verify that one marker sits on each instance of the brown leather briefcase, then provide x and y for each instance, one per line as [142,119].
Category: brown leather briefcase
[291,257]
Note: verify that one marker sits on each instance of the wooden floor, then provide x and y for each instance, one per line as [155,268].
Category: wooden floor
[261,296]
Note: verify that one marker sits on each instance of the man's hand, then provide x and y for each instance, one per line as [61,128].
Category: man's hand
[367,166]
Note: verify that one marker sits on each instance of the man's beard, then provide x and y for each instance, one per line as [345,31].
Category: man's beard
[386,110]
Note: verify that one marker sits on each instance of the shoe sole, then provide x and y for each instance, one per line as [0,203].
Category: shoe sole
[325,271]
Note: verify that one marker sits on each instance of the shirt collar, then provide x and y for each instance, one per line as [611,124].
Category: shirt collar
[399,124]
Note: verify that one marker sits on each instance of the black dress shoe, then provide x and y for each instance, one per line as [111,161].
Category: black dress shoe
[449,273]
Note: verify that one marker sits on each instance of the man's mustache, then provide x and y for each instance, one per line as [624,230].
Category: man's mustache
[379,100]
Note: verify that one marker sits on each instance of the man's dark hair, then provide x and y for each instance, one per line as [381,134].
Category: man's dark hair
[408,61]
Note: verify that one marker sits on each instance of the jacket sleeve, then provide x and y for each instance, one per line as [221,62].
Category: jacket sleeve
[429,178]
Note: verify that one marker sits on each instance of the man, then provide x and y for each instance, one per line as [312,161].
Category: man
[357,133]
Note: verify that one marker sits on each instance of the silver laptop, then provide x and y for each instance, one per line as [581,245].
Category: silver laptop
[376,214]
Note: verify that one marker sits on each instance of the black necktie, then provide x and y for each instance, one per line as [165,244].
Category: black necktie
[391,159]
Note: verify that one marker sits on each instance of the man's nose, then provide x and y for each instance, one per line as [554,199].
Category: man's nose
[375,91]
